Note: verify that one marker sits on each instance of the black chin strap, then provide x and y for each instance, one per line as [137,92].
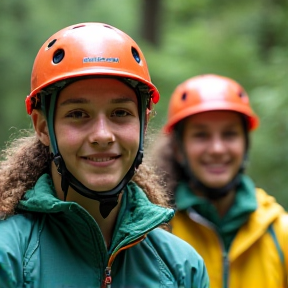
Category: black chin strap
[215,193]
[108,199]
[210,193]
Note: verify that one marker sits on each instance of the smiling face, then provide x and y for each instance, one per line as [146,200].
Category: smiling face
[214,143]
[97,130]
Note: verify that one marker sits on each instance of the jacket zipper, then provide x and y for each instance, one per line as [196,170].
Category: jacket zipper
[194,216]
[226,269]
[108,279]
[107,282]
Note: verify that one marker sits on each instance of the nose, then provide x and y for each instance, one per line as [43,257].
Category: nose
[102,133]
[217,144]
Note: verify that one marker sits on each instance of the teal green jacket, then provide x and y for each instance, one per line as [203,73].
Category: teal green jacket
[56,244]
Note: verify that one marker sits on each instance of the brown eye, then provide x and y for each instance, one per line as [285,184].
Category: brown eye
[77,115]
[120,113]
[199,135]
[230,134]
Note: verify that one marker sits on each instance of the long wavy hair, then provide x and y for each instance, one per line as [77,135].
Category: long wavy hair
[25,159]
[169,171]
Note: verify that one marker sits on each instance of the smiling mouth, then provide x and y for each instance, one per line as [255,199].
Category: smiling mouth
[216,165]
[102,159]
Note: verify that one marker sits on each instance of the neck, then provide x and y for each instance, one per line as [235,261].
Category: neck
[223,204]
[91,206]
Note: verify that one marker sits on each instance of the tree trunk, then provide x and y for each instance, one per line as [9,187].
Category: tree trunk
[150,21]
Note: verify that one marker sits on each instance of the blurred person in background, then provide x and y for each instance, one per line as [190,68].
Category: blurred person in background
[74,214]
[239,230]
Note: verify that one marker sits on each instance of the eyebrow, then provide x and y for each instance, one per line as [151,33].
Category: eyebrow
[75,101]
[86,101]
[122,100]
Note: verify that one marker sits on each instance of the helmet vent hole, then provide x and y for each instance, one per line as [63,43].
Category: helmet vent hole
[51,43]
[184,96]
[58,56]
[241,94]
[135,55]
[78,26]
[107,26]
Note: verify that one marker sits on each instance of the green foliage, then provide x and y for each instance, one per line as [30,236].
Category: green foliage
[25,26]
[244,40]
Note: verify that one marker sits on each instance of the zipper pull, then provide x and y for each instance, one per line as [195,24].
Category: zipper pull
[108,278]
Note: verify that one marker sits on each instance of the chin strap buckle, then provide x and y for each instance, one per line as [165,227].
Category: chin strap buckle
[107,205]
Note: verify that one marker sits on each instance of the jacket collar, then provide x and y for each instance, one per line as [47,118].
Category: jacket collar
[137,214]
[245,196]
[267,212]
[227,226]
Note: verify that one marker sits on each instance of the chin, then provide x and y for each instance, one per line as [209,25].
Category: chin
[101,186]
[216,184]
[98,182]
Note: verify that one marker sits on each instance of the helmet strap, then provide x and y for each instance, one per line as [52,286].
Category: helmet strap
[210,193]
[108,199]
[215,193]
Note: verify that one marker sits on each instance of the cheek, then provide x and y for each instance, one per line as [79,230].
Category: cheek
[192,149]
[132,136]
[193,157]
[67,137]
[239,149]
[127,136]
[193,152]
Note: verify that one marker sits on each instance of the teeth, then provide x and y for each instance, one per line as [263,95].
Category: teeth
[99,159]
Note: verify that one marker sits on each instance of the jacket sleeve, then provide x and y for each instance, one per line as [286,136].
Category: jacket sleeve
[186,265]
[201,277]
[13,240]
[193,272]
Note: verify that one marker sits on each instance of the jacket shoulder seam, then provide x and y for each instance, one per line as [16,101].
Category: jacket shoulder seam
[34,245]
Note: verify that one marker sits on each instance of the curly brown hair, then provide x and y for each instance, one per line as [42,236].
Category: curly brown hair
[25,159]
[168,169]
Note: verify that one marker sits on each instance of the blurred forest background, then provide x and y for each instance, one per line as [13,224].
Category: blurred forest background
[245,40]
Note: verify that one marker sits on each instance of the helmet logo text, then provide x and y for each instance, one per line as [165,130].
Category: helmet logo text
[100,59]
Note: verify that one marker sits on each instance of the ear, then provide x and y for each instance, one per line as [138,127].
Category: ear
[40,126]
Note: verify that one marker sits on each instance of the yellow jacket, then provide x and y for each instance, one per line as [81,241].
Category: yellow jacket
[258,254]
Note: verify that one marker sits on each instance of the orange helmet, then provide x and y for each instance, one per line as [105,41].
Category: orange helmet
[207,93]
[88,49]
